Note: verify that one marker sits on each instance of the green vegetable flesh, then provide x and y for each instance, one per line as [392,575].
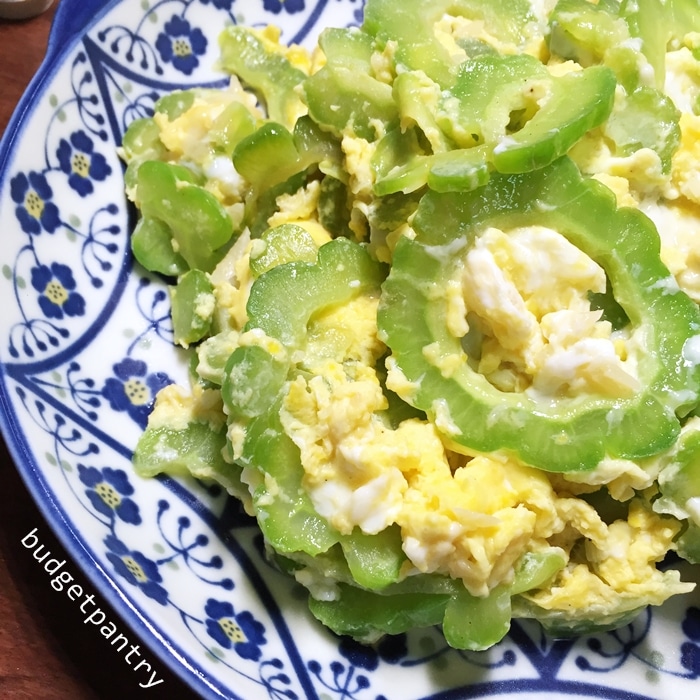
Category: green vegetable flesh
[152,246]
[195,450]
[477,623]
[560,626]
[267,157]
[410,25]
[315,145]
[552,113]
[399,163]
[282,301]
[344,96]
[535,569]
[461,170]
[260,206]
[233,125]
[679,486]
[252,380]
[284,510]
[502,112]
[646,119]
[468,622]
[374,561]
[192,307]
[401,166]
[649,21]
[270,73]
[212,354]
[477,108]
[351,48]
[199,225]
[416,98]
[333,207]
[175,103]
[275,161]
[584,31]
[367,616]
[282,244]
[660,24]
[562,434]
[342,99]
[579,102]
[141,142]
[685,17]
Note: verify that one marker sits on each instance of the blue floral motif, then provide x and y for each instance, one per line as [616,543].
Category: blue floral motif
[278,6]
[35,211]
[238,631]
[133,389]
[180,44]
[391,649]
[136,569]
[358,15]
[690,651]
[219,4]
[109,490]
[56,287]
[345,680]
[78,160]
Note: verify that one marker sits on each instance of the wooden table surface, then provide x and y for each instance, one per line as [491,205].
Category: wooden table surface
[46,652]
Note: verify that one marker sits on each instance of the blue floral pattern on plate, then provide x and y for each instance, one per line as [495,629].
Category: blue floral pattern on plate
[87,345]
[181,44]
[78,160]
[56,287]
[35,211]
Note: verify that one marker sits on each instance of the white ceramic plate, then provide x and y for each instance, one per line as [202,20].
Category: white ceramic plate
[84,346]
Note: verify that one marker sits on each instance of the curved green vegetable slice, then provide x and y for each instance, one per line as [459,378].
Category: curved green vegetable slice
[679,484]
[267,71]
[282,244]
[411,25]
[198,223]
[579,102]
[267,157]
[282,301]
[560,434]
[192,307]
[528,117]
[152,246]
[646,119]
[584,31]
[367,616]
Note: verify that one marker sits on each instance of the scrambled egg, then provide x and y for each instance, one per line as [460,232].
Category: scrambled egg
[188,138]
[454,30]
[615,570]
[232,280]
[671,200]
[528,289]
[467,518]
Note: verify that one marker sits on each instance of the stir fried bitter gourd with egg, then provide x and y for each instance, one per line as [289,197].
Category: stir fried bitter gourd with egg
[439,282]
